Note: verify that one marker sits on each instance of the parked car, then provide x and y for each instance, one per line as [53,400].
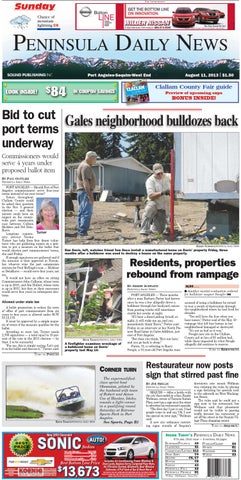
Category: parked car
[130,447]
[183,17]
[206,15]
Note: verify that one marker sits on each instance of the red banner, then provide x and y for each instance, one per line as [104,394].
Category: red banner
[80,455]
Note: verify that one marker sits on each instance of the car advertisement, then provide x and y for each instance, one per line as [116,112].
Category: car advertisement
[153,16]
[80,455]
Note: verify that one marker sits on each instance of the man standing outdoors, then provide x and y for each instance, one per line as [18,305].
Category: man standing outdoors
[85,185]
[157,205]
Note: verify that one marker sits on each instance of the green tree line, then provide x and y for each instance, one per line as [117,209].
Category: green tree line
[147,148]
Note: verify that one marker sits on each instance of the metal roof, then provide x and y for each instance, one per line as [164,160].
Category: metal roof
[130,163]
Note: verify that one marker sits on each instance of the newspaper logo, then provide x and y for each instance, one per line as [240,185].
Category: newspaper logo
[95,16]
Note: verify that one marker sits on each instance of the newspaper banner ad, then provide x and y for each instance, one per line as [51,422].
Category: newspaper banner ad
[120,253]
[88,455]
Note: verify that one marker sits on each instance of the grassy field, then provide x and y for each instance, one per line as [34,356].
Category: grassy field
[93,331]
[18,411]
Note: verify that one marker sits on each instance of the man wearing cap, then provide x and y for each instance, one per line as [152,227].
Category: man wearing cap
[157,205]
[85,185]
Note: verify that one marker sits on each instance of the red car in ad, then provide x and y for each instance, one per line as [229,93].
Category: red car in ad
[206,15]
[183,17]
[220,13]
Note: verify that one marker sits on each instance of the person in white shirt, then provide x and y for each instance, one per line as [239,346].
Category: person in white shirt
[158,201]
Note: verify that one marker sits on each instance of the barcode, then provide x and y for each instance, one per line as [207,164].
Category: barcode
[219,467]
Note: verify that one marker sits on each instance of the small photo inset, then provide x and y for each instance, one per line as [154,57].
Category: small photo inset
[137,92]
[93,298]
[47,213]
[50,393]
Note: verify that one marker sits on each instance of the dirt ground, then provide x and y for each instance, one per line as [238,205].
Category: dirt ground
[112,223]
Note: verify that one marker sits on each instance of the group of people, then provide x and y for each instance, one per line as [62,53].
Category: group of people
[156,207]
[155,212]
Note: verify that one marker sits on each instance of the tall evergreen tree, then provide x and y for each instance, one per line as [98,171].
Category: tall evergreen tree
[150,148]
[92,141]
[113,144]
[71,147]
[77,144]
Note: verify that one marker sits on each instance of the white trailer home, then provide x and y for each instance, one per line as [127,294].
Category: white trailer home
[207,168]
[207,165]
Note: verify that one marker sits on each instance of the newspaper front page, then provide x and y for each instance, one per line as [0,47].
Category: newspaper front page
[120,287]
